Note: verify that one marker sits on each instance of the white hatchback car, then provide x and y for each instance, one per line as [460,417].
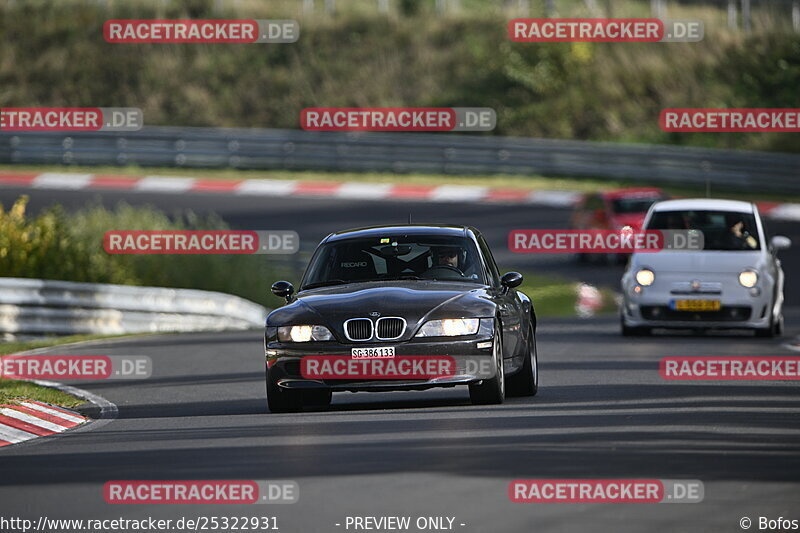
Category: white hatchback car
[735,281]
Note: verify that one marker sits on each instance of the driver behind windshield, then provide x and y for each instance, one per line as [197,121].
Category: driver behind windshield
[447,256]
[448,262]
[740,236]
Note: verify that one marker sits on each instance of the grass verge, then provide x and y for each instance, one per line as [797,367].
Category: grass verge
[554,296]
[13,391]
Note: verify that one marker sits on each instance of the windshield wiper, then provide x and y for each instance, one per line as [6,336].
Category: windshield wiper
[325,283]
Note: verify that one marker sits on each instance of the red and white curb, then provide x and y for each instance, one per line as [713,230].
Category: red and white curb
[267,187]
[32,419]
[325,189]
[42,419]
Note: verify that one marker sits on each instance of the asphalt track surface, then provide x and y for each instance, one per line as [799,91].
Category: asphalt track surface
[603,411]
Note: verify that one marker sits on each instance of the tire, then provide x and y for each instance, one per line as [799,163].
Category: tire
[764,333]
[491,391]
[775,329]
[631,331]
[526,381]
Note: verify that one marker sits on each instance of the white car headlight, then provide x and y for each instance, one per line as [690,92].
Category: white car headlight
[748,278]
[645,277]
[450,327]
[303,333]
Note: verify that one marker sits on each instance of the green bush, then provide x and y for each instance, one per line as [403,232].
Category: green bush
[61,246]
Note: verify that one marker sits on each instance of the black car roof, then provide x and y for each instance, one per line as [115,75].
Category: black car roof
[404,229]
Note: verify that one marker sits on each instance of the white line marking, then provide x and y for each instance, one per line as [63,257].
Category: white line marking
[458,193]
[14,435]
[164,184]
[785,212]
[59,180]
[267,187]
[24,417]
[793,345]
[554,198]
[54,412]
[364,190]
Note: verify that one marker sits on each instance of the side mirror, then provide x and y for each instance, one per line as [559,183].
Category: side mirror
[283,289]
[779,242]
[511,279]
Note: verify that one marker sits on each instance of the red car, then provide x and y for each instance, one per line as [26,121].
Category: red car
[615,209]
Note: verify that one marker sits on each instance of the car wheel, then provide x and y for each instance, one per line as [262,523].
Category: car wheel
[779,326]
[775,328]
[282,401]
[631,331]
[491,391]
[526,381]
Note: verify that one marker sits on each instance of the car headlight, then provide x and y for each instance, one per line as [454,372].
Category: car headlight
[645,277]
[303,333]
[449,327]
[748,278]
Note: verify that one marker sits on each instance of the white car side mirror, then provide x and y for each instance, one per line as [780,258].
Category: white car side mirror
[779,242]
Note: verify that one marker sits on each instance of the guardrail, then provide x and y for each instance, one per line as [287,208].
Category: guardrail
[35,306]
[405,153]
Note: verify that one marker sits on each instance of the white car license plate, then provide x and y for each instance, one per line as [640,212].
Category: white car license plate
[383,352]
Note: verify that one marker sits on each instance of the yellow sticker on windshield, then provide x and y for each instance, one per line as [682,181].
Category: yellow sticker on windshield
[385,241]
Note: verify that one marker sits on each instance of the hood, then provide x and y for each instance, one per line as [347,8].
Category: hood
[415,301]
[705,261]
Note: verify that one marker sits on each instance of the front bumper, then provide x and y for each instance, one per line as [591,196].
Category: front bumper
[740,307]
[473,357]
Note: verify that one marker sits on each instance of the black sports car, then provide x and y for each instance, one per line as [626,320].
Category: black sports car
[400,294]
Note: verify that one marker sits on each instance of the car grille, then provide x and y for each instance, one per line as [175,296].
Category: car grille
[726,314]
[358,329]
[389,328]
[705,287]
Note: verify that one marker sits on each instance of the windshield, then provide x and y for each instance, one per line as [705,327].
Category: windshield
[722,230]
[633,204]
[395,257]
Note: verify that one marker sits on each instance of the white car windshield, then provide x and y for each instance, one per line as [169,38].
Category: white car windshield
[722,230]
